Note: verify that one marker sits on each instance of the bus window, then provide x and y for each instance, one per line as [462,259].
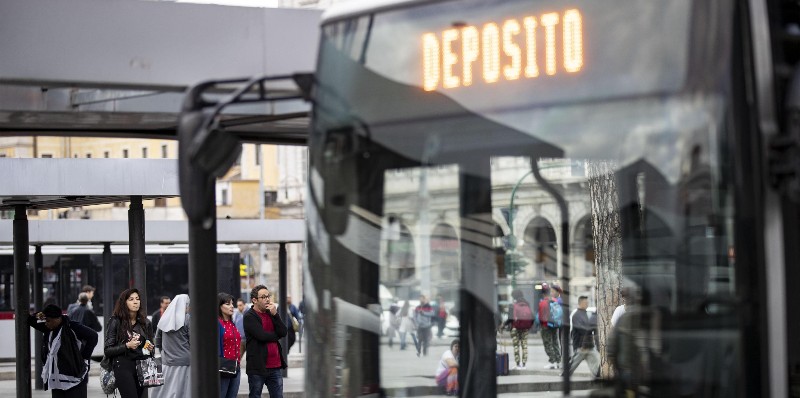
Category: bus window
[513,150]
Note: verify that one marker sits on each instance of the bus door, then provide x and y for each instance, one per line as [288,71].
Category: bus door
[6,284]
[74,271]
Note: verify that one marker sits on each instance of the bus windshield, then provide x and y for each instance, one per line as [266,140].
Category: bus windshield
[473,156]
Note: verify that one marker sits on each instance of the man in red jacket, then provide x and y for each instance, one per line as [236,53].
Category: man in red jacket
[264,328]
[549,335]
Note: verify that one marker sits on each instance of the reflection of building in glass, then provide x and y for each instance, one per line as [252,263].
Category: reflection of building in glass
[536,225]
[647,203]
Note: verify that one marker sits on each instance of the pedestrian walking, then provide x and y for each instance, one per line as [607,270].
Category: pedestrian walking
[230,347]
[66,352]
[584,327]
[129,338]
[84,315]
[549,331]
[89,291]
[156,316]
[424,318]
[293,326]
[394,323]
[264,328]
[619,311]
[440,314]
[238,317]
[407,326]
[520,320]
[173,338]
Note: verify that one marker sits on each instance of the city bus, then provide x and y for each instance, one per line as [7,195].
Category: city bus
[652,145]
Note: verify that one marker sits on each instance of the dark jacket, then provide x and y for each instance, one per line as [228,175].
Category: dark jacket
[257,339]
[70,358]
[583,330]
[86,317]
[115,347]
[155,318]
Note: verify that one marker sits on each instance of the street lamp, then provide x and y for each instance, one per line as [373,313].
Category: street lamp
[514,260]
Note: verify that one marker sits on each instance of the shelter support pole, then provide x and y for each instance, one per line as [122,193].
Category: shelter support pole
[138,267]
[22,302]
[108,283]
[476,375]
[38,301]
[203,293]
[282,300]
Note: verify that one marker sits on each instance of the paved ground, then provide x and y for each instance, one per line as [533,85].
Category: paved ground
[403,375]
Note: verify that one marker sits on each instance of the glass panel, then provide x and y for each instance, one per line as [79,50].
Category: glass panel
[420,269]
[497,153]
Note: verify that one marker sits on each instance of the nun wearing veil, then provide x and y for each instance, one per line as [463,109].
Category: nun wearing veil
[173,338]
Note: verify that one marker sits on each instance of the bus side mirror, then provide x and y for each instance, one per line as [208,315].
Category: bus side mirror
[196,186]
[214,150]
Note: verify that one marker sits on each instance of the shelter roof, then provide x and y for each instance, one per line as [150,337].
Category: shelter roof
[107,73]
[57,183]
[64,232]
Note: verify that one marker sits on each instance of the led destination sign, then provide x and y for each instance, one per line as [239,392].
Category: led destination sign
[509,50]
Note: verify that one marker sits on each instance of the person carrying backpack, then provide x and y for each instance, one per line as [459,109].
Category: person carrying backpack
[521,320]
[550,328]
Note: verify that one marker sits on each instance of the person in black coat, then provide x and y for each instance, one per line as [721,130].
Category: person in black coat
[84,315]
[264,328]
[66,366]
[129,337]
[163,304]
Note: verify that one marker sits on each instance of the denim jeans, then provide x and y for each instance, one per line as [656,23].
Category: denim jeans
[229,386]
[273,380]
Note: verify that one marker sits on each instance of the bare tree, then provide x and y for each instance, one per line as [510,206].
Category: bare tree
[608,251]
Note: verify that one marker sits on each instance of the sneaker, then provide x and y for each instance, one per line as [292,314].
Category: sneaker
[550,366]
[521,367]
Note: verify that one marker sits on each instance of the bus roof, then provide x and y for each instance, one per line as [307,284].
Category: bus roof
[354,8]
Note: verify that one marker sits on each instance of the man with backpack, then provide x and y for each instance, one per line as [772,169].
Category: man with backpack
[521,320]
[549,316]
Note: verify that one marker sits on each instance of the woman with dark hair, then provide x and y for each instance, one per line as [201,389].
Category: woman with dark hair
[128,339]
[230,346]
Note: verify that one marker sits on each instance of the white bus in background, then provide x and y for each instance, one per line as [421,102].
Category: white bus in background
[68,268]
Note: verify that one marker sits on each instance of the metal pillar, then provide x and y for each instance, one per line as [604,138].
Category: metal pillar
[22,302]
[476,376]
[282,301]
[204,326]
[198,201]
[108,283]
[138,267]
[38,301]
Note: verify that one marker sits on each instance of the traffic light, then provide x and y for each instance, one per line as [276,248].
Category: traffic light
[515,263]
[242,269]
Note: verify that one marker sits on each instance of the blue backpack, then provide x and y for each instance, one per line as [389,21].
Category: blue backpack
[556,315]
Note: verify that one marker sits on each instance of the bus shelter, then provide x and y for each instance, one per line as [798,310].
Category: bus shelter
[132,84]
[79,182]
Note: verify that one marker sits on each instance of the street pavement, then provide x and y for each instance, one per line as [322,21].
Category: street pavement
[403,374]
